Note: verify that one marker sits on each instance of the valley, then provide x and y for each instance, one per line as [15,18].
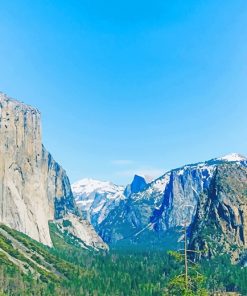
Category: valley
[98,238]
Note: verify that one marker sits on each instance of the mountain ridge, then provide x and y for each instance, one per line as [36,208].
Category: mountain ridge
[165,203]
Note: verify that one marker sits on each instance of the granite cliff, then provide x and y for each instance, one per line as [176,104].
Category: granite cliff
[34,188]
[220,224]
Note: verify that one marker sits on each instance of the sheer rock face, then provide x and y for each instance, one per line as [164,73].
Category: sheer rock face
[57,184]
[220,224]
[33,187]
[24,205]
[138,184]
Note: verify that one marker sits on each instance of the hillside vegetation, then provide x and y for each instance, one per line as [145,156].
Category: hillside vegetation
[30,268]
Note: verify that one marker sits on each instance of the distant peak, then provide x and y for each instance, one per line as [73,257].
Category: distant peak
[138,177]
[88,180]
[233,157]
[138,183]
[88,185]
[91,181]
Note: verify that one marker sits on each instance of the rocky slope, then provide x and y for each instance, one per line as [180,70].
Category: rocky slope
[220,224]
[33,187]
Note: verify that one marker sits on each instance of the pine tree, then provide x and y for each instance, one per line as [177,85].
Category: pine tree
[190,282]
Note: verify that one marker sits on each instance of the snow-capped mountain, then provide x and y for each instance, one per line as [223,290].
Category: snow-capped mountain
[96,199]
[174,195]
[164,204]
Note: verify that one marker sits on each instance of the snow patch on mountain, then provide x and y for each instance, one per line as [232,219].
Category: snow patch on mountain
[88,186]
[233,157]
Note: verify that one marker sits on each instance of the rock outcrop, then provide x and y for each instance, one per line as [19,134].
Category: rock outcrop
[82,231]
[33,187]
[220,224]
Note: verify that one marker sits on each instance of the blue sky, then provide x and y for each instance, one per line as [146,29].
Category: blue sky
[129,86]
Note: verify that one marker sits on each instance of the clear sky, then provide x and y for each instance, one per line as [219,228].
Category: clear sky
[129,86]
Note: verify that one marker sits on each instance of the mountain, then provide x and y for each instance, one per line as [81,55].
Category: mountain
[138,184]
[220,224]
[150,212]
[34,188]
[96,199]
